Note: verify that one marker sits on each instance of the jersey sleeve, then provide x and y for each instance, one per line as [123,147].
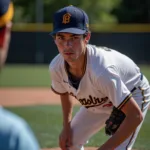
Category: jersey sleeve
[56,82]
[111,85]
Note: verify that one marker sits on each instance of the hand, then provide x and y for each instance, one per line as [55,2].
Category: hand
[65,138]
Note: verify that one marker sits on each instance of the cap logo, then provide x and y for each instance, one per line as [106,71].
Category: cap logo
[66,18]
[87,25]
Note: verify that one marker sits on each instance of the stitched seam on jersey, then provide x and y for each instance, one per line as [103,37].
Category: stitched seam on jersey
[103,74]
[57,92]
[107,69]
[125,101]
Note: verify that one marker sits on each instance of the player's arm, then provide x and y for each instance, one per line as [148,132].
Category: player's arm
[122,99]
[67,108]
[65,138]
[133,119]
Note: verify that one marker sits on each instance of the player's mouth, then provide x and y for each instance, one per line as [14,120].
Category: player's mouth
[68,53]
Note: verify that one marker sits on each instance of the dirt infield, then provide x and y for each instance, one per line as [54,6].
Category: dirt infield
[31,96]
[28,96]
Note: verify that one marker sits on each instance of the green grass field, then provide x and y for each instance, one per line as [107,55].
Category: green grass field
[35,75]
[25,76]
[46,121]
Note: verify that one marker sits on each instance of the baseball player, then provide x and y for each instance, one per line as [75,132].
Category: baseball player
[113,93]
[15,133]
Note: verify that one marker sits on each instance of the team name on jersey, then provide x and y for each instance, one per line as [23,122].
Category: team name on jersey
[93,101]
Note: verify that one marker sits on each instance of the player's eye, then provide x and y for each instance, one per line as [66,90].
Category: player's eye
[60,38]
[75,37]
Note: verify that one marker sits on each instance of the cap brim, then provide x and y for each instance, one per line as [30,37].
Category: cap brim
[69,30]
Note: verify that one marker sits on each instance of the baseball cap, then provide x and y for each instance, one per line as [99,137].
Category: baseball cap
[4,4]
[6,12]
[70,19]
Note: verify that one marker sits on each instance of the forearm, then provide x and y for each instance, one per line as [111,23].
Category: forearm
[67,108]
[123,132]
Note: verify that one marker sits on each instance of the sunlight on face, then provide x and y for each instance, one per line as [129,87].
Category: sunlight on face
[70,46]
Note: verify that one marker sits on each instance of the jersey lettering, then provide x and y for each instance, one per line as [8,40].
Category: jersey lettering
[91,101]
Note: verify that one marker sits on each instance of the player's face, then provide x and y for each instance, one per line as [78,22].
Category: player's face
[70,46]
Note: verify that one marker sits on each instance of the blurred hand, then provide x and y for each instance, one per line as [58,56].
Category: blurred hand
[65,138]
[9,25]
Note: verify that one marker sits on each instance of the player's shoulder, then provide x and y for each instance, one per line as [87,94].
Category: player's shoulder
[56,62]
[95,58]
[97,52]
[99,61]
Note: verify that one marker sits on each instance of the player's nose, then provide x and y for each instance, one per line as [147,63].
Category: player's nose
[68,43]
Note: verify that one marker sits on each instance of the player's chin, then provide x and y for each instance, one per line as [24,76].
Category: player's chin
[70,58]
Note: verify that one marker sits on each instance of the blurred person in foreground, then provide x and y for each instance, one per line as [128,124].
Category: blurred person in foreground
[113,92]
[15,133]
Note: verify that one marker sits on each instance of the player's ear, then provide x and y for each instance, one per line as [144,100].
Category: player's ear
[87,37]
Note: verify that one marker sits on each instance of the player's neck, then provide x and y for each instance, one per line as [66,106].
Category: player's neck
[78,68]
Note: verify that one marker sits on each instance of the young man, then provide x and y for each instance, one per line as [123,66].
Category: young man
[113,92]
[15,133]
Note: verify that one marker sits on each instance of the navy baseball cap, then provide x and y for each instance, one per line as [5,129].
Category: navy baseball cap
[70,19]
[6,11]
[4,4]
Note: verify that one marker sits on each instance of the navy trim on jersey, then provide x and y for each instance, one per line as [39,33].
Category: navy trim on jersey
[125,101]
[58,92]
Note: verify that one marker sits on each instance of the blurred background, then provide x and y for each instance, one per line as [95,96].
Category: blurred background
[119,24]
[123,25]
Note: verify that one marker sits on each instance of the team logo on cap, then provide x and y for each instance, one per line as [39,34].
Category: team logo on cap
[66,18]
[87,25]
